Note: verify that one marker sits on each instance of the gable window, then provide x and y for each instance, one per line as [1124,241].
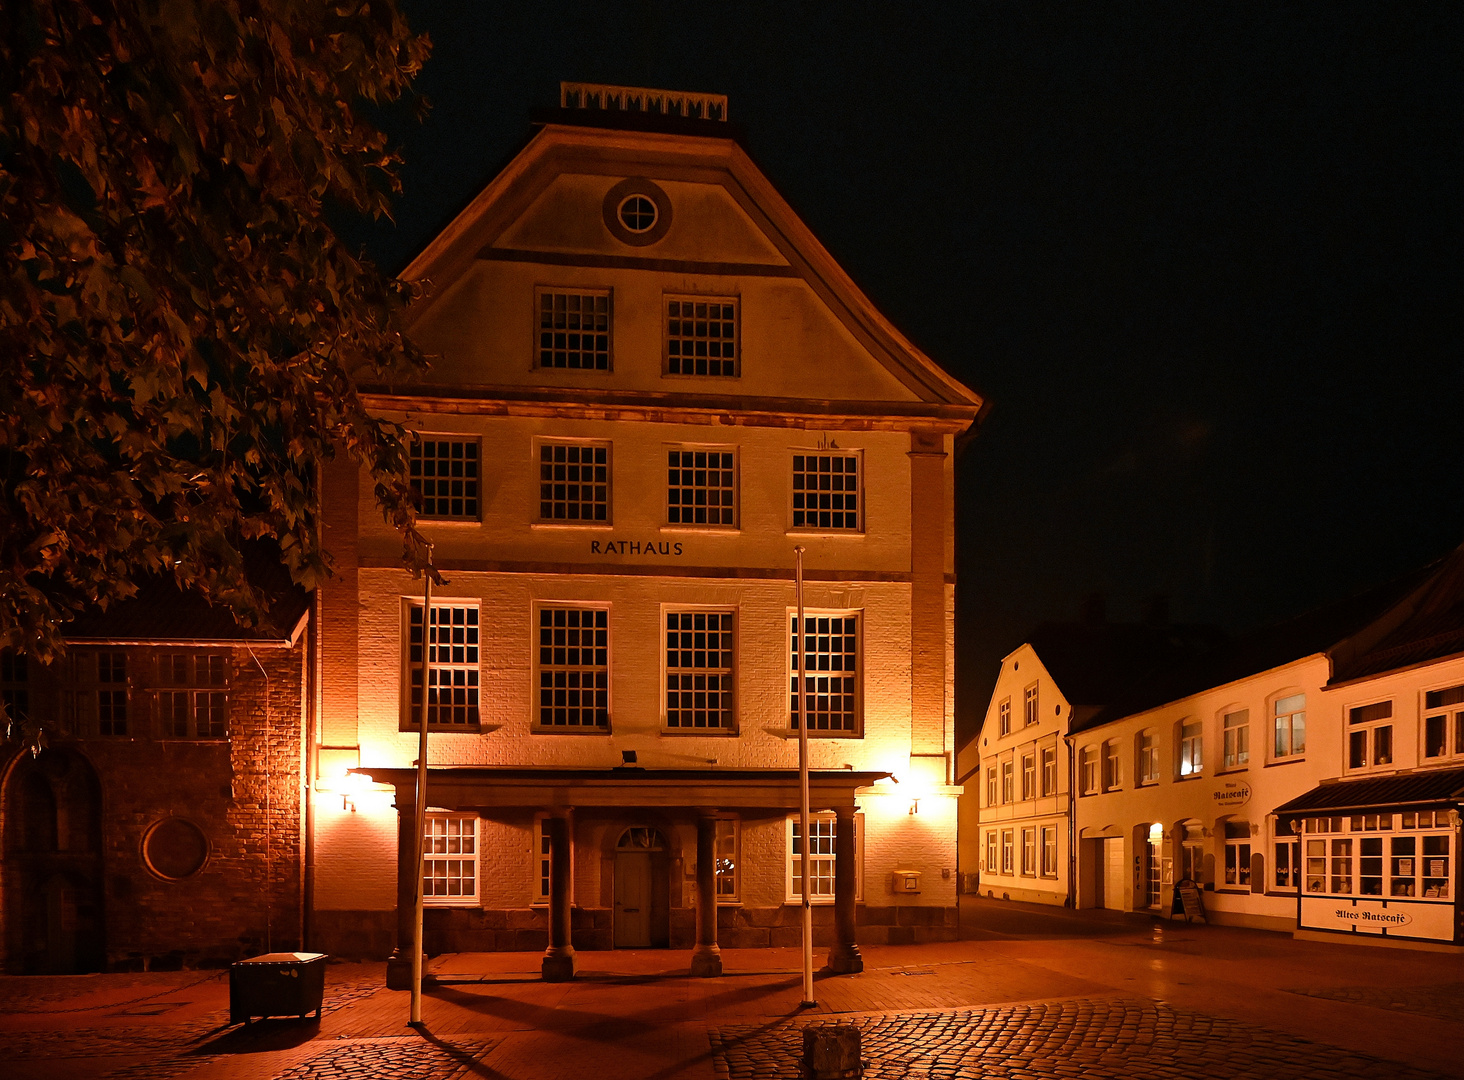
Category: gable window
[1049,851]
[1237,739]
[111,693]
[452,650]
[727,854]
[1443,725]
[574,483]
[1007,795]
[1191,749]
[450,860]
[1049,770]
[830,676]
[1148,757]
[444,478]
[1112,770]
[1237,853]
[827,492]
[573,669]
[699,671]
[701,487]
[1029,776]
[1370,735]
[822,829]
[701,336]
[1004,717]
[1088,770]
[194,699]
[574,330]
[1029,705]
[1289,715]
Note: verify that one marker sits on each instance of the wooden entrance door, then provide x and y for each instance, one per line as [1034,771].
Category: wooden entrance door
[1113,873]
[632,899]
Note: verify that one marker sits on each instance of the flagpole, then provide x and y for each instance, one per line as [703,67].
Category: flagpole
[416,1016]
[803,782]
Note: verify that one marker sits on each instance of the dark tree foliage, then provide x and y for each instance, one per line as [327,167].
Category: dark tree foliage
[180,329]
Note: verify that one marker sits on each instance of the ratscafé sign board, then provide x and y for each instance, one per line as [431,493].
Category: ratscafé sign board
[1394,918]
[1231,794]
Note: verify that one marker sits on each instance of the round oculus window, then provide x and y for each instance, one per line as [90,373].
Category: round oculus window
[175,849]
[637,213]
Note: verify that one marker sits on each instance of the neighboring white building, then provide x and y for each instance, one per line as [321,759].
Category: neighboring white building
[650,384]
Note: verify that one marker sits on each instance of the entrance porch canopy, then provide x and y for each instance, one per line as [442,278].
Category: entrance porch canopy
[482,787]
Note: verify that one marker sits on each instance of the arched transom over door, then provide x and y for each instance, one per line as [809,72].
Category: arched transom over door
[642,889]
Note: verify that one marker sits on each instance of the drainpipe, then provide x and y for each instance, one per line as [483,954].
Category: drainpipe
[268,813]
[312,768]
[1072,819]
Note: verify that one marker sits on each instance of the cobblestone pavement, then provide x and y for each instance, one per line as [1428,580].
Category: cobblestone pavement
[1087,1039]
[406,1057]
[1445,1002]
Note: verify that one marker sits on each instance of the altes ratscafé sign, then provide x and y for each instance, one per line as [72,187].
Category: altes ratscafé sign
[1231,794]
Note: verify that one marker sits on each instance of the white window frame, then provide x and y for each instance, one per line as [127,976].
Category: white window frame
[727,851]
[1029,706]
[1029,851]
[460,662]
[1029,775]
[991,851]
[731,513]
[1285,716]
[1004,717]
[1049,771]
[464,478]
[794,510]
[536,704]
[1049,851]
[791,893]
[540,330]
[1147,770]
[1286,866]
[446,840]
[814,676]
[1235,739]
[1088,769]
[1373,735]
[1444,704]
[728,671]
[1190,743]
[1008,782]
[539,858]
[1236,869]
[568,521]
[1008,852]
[1112,777]
[991,793]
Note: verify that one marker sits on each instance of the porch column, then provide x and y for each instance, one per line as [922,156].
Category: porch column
[559,962]
[706,958]
[399,964]
[844,958]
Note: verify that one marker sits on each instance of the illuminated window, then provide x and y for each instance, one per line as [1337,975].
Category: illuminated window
[1148,754]
[194,699]
[1029,705]
[1237,853]
[444,477]
[1191,749]
[1192,853]
[1088,770]
[1289,718]
[727,858]
[450,860]
[826,492]
[699,671]
[831,674]
[701,487]
[574,483]
[1004,717]
[574,330]
[1029,851]
[1112,769]
[1049,851]
[821,856]
[111,693]
[452,650]
[1443,727]
[574,669]
[701,336]
[1049,770]
[1370,735]
[1007,795]
[1029,776]
[1237,739]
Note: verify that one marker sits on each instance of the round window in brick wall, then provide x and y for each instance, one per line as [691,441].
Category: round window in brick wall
[174,849]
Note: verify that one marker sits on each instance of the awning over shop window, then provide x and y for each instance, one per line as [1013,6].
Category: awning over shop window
[1431,787]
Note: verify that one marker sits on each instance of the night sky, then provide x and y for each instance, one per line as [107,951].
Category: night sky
[1204,259]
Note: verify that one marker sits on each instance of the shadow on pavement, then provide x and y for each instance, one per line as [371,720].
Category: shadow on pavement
[260,1037]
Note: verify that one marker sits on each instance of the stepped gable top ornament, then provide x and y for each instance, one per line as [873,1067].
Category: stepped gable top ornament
[640,99]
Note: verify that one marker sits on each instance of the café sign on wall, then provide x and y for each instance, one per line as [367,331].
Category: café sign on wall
[1231,795]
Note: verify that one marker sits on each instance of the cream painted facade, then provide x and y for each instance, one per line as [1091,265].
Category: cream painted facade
[643,792]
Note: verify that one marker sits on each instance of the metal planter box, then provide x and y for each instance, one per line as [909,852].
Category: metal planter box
[276,984]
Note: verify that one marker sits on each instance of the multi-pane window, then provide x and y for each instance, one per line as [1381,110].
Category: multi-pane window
[701,487]
[1049,851]
[15,684]
[991,798]
[1007,795]
[1289,716]
[574,482]
[831,673]
[1006,851]
[1049,770]
[826,492]
[1004,717]
[1443,722]
[574,669]
[1192,853]
[1284,865]
[727,857]
[1029,705]
[1237,853]
[1370,735]
[452,652]
[701,336]
[1191,749]
[542,849]
[450,860]
[574,330]
[991,851]
[822,828]
[444,477]
[193,701]
[1029,776]
[1112,771]
[1148,757]
[699,670]
[1406,855]
[1236,734]
[1029,851]
[1088,770]
[111,693]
